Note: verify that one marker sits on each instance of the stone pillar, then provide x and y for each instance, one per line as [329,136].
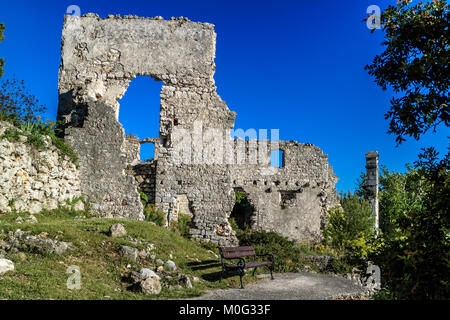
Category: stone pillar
[372,183]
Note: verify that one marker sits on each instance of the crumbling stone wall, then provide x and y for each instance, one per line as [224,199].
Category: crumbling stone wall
[292,199]
[145,175]
[99,59]
[31,179]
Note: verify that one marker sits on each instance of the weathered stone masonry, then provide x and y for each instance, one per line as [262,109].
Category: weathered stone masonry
[32,179]
[99,59]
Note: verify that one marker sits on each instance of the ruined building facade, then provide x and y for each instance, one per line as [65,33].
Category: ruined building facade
[99,59]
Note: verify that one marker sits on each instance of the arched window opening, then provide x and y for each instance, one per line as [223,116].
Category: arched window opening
[139,112]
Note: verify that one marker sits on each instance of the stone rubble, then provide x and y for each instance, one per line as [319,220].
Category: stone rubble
[23,240]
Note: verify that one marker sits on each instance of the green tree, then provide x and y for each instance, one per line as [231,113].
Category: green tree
[2,61]
[17,103]
[400,193]
[415,65]
[415,209]
[350,227]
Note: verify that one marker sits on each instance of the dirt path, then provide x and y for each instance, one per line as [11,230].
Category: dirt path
[291,286]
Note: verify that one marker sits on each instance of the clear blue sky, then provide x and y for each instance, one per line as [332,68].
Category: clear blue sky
[296,66]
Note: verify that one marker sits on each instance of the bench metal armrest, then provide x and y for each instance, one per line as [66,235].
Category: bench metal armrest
[241,263]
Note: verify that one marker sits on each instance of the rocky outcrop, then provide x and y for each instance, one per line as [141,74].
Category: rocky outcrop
[33,179]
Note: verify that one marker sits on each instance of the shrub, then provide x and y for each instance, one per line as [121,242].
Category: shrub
[144,197]
[11,134]
[415,206]
[35,130]
[64,148]
[242,211]
[350,228]
[154,215]
[182,225]
[288,255]
[36,140]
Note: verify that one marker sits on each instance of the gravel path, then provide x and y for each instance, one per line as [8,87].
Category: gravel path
[291,286]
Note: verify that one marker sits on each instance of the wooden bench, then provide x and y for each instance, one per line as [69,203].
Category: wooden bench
[238,253]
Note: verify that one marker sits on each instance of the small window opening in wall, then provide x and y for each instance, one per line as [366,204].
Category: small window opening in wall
[277,158]
[147,151]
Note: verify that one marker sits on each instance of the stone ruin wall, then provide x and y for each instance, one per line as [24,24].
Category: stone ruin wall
[99,59]
[32,180]
[291,200]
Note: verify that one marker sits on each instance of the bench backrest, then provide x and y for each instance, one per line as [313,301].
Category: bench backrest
[237,252]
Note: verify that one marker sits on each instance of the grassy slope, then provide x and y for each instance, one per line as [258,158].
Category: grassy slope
[40,276]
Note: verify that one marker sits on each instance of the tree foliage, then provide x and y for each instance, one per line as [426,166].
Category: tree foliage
[415,227]
[415,65]
[350,227]
[17,103]
[2,37]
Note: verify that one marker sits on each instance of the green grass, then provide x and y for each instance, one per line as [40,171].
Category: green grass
[43,276]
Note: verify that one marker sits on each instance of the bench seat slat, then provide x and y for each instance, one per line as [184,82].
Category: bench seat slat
[231,255]
[237,252]
[233,249]
[249,265]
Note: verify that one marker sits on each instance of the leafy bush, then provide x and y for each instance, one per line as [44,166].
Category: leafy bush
[350,229]
[288,254]
[416,225]
[11,134]
[154,215]
[242,211]
[64,148]
[144,197]
[182,225]
[36,140]
[35,132]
